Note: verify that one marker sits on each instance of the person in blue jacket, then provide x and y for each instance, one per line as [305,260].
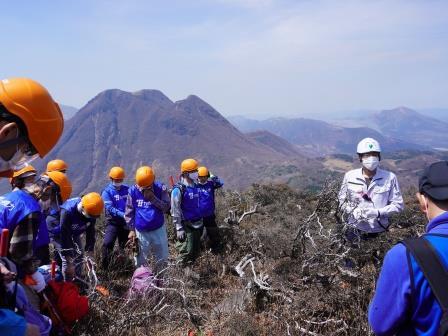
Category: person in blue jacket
[78,216]
[146,204]
[114,196]
[186,213]
[21,213]
[404,303]
[207,185]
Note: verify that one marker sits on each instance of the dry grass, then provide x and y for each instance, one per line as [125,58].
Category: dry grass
[295,239]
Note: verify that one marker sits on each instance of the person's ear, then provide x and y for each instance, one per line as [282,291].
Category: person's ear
[8,131]
[422,202]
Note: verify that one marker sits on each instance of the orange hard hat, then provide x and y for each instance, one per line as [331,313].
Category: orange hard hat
[144,177]
[33,104]
[116,173]
[203,172]
[92,204]
[57,165]
[62,181]
[188,165]
[28,170]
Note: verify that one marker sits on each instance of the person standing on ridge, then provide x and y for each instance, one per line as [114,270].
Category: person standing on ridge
[369,195]
[146,204]
[405,301]
[31,123]
[21,213]
[23,177]
[114,196]
[186,212]
[207,184]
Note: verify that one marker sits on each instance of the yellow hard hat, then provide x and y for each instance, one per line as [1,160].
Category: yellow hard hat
[144,176]
[188,165]
[93,204]
[57,165]
[25,172]
[116,173]
[62,181]
[31,102]
[203,172]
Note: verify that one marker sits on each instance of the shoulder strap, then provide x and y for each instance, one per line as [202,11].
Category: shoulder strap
[432,267]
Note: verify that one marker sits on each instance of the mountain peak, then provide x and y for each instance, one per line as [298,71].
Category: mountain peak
[152,95]
[399,111]
[195,105]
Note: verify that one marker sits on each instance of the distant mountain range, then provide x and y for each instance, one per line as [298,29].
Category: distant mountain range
[396,129]
[405,124]
[68,111]
[319,138]
[146,127]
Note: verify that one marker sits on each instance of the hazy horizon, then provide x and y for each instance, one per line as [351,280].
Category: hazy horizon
[255,58]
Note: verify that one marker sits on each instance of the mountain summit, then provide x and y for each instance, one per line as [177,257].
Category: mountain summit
[409,125]
[146,128]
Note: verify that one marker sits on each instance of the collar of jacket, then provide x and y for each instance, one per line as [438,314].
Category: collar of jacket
[379,175]
[440,219]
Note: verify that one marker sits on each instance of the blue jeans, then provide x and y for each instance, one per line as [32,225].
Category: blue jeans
[155,240]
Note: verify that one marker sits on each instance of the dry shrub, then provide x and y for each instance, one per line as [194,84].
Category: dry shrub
[294,238]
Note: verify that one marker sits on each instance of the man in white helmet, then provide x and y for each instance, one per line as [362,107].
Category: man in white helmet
[369,195]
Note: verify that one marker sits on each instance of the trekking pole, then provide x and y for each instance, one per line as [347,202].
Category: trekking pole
[4,241]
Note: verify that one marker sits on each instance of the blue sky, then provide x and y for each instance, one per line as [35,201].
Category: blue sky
[250,57]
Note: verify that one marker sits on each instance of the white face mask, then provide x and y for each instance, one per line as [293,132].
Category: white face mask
[193,176]
[371,163]
[28,184]
[117,184]
[18,160]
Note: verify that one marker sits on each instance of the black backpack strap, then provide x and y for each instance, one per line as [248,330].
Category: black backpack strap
[432,267]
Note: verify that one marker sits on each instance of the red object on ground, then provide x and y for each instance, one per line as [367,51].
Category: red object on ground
[4,242]
[70,305]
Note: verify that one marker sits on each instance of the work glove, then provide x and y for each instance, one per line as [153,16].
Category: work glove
[180,235]
[371,213]
[357,214]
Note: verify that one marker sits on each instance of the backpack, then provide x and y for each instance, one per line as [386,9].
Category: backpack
[435,273]
[142,282]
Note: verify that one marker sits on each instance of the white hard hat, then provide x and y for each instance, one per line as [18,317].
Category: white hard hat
[368,145]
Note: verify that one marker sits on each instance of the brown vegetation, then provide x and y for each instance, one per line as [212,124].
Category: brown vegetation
[290,278]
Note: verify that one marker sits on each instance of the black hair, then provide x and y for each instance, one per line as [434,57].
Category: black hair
[442,204]
[360,156]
